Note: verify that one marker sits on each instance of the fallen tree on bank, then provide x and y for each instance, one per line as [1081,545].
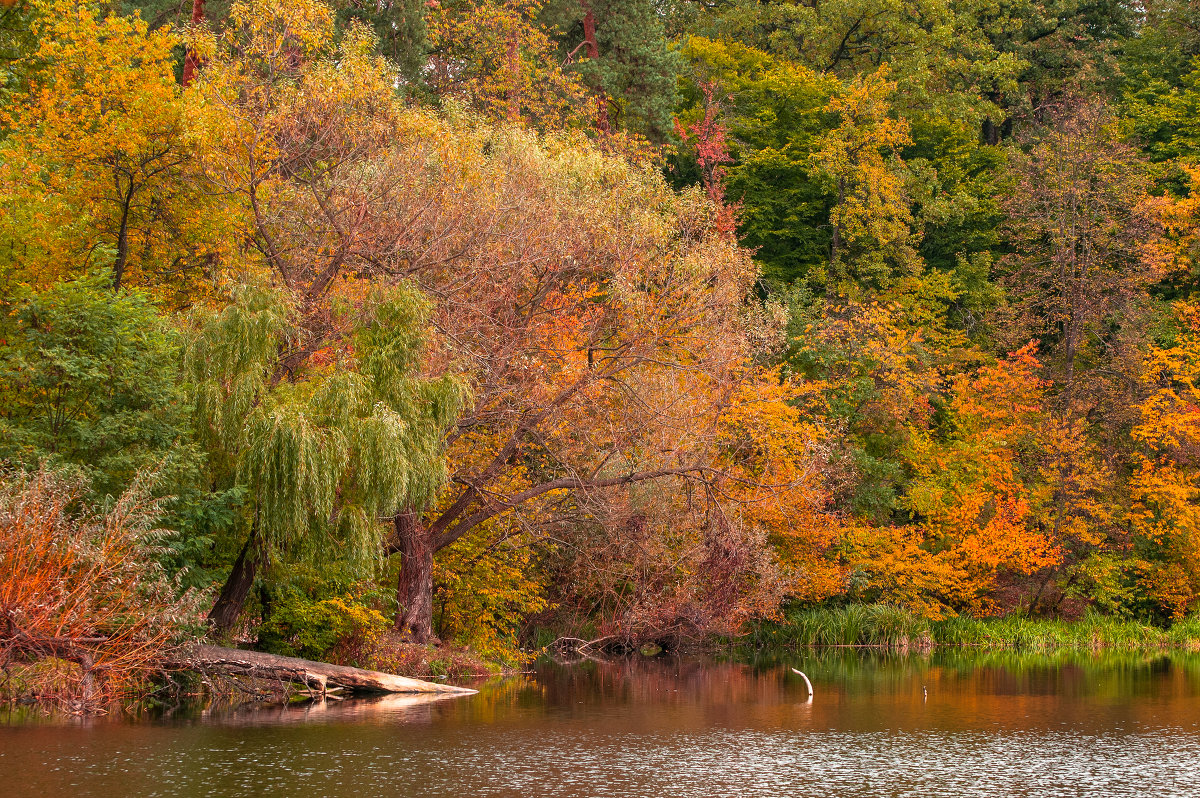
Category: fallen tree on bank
[316,676]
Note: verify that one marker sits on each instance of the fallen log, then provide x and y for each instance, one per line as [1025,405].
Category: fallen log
[319,676]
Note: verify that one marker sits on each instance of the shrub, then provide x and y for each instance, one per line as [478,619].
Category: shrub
[87,613]
[341,629]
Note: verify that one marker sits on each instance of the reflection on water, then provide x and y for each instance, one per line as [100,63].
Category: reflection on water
[954,723]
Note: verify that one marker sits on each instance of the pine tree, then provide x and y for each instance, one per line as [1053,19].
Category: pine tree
[620,51]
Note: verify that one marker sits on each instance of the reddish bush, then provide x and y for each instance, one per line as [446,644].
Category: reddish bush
[86,611]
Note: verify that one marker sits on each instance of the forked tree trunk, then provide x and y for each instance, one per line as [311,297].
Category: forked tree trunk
[228,608]
[414,588]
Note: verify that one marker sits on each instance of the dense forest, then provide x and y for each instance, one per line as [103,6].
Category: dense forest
[625,319]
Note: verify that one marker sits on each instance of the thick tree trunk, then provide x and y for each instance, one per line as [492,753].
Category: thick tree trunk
[414,588]
[835,246]
[593,52]
[190,61]
[989,133]
[314,674]
[228,608]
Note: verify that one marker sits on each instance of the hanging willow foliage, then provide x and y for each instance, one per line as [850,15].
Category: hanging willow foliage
[325,449]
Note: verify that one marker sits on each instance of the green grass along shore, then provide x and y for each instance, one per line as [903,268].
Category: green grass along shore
[885,626]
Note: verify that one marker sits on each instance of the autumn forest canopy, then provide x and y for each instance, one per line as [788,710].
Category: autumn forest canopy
[633,320]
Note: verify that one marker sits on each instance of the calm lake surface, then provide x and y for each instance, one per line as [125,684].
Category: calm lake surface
[990,725]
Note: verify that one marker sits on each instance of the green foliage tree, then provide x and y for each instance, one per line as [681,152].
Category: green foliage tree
[775,118]
[90,380]
[325,449]
[621,53]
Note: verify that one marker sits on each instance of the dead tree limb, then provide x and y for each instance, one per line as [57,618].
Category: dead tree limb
[316,676]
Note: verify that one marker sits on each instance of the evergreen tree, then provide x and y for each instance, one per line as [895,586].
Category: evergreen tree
[620,50]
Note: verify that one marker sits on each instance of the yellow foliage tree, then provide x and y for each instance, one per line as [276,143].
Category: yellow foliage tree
[871,218]
[93,171]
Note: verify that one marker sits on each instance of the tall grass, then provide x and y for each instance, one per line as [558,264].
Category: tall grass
[878,625]
[885,626]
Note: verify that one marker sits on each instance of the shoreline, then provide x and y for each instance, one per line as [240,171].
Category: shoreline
[882,626]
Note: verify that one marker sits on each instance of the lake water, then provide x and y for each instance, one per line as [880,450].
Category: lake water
[947,724]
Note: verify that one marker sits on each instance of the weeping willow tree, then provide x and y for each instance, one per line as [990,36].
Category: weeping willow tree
[326,434]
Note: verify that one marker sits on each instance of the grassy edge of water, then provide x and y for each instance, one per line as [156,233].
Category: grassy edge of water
[886,626]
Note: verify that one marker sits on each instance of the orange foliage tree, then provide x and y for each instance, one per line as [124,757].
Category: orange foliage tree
[977,492]
[1165,488]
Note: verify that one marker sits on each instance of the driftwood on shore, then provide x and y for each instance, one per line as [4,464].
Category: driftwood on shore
[317,676]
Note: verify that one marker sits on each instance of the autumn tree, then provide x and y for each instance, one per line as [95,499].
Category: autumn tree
[708,137]
[93,168]
[1082,226]
[497,57]
[873,381]
[596,315]
[774,115]
[870,220]
[978,491]
[826,195]
[949,82]
[598,347]
[1084,230]
[1165,488]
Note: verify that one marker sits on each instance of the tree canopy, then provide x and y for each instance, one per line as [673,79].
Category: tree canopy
[646,319]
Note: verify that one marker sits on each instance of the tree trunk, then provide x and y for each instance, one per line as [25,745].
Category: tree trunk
[228,608]
[835,245]
[989,134]
[414,588]
[190,61]
[123,238]
[1037,597]
[514,74]
[593,52]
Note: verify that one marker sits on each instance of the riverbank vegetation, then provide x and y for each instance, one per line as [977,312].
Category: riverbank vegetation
[893,628]
[430,324]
